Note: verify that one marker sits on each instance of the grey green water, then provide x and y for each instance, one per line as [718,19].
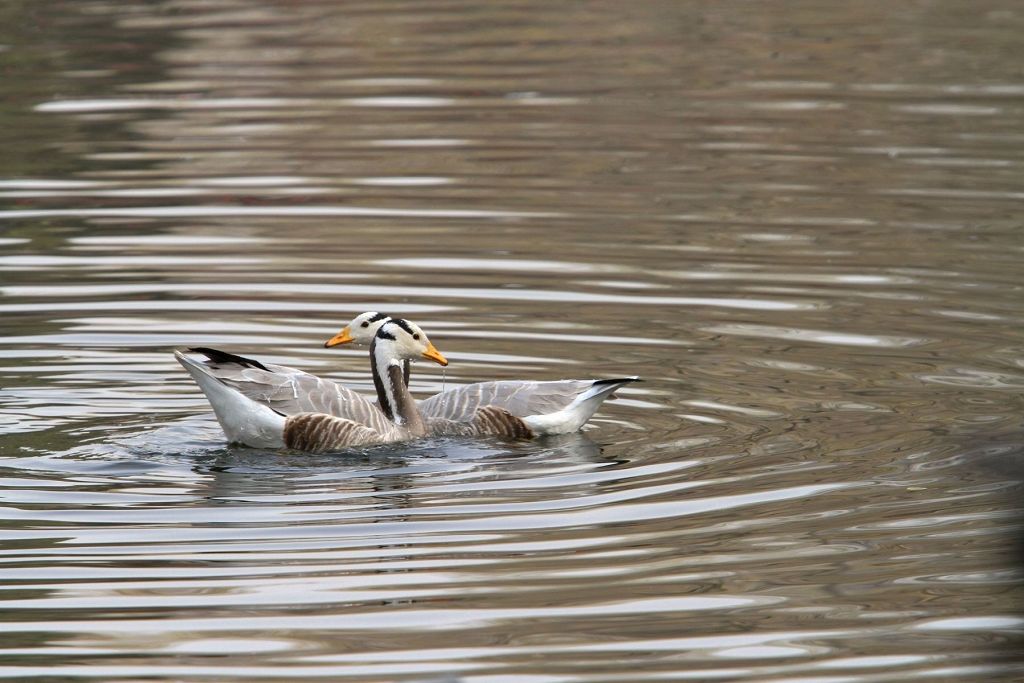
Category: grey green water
[800,222]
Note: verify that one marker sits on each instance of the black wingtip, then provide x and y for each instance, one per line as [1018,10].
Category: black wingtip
[619,380]
[218,356]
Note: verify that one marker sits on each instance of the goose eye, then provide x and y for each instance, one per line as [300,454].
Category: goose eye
[416,337]
[366,324]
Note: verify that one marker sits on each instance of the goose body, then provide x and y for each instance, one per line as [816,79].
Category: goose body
[273,406]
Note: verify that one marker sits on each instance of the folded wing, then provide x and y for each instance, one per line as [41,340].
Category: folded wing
[290,391]
[521,398]
[556,407]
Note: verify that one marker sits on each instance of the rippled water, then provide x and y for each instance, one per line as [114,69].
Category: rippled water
[799,222]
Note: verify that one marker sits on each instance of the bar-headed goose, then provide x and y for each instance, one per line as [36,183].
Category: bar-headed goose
[262,405]
[509,408]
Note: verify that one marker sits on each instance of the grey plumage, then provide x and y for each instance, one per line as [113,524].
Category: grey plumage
[517,409]
[520,398]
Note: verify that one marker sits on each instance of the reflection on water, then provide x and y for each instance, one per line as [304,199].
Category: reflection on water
[798,226]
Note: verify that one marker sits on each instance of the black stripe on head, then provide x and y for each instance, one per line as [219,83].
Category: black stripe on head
[378,316]
[404,325]
[383,333]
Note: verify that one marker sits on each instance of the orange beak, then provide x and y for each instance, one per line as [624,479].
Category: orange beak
[343,337]
[433,354]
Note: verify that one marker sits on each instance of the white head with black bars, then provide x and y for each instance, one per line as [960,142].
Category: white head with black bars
[399,340]
[360,331]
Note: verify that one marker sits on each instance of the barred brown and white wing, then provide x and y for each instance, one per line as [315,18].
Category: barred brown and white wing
[487,421]
[321,433]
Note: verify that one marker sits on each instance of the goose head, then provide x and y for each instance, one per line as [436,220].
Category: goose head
[400,340]
[360,331]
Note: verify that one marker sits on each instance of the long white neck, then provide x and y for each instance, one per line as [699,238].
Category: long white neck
[392,394]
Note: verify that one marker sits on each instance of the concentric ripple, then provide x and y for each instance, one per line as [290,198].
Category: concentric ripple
[799,227]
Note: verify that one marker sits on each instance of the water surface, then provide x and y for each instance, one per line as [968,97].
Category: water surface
[799,223]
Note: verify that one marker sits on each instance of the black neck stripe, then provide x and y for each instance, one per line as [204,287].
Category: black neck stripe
[378,382]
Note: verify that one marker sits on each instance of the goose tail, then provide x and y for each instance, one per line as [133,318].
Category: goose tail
[242,419]
[575,415]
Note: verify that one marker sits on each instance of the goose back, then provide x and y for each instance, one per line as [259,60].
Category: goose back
[520,398]
[290,391]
